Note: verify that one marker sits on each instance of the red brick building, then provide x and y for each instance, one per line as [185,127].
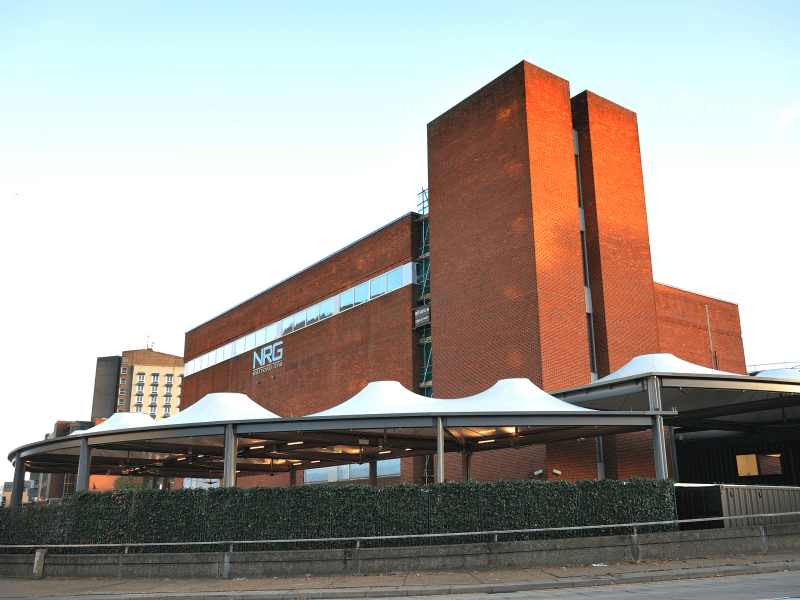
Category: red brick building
[534,259]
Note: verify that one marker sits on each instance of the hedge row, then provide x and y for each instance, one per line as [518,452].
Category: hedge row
[321,511]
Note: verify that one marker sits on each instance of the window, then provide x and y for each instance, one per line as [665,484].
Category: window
[377,287]
[395,280]
[121,391]
[124,360]
[166,411]
[123,380]
[249,342]
[362,293]
[219,356]
[346,300]
[286,326]
[124,370]
[138,408]
[121,401]
[152,409]
[141,377]
[312,315]
[751,465]
[326,309]
[239,346]
[272,333]
[140,388]
[167,401]
[226,350]
[169,378]
[154,389]
[261,337]
[300,320]
[120,410]
[155,378]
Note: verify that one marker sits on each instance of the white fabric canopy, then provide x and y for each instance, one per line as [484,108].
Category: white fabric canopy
[780,374]
[123,420]
[507,395]
[660,363]
[220,406]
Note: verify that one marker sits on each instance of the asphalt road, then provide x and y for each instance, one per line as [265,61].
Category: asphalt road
[749,587]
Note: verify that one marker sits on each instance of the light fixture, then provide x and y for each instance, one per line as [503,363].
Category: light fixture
[180,459]
[255,447]
[485,441]
[538,472]
[314,461]
[293,443]
[556,472]
[408,449]
[385,452]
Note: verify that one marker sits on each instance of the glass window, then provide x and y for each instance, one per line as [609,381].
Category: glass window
[377,287]
[124,370]
[212,358]
[312,315]
[220,355]
[272,333]
[388,467]
[169,378]
[138,409]
[358,471]
[300,320]
[286,326]
[249,342]
[227,351]
[395,280]
[122,391]
[315,475]
[362,293]
[326,309]
[261,337]
[346,300]
[204,361]
[121,401]
[239,346]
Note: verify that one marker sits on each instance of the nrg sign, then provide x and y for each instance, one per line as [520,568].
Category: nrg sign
[269,354]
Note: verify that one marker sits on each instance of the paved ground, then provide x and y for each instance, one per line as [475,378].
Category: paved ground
[568,579]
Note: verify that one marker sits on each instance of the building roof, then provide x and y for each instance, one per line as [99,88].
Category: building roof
[123,420]
[780,374]
[389,397]
[220,406]
[660,363]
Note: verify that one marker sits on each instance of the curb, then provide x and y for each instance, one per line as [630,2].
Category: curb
[577,582]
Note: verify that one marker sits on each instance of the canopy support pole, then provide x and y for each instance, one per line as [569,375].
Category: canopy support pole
[466,463]
[659,449]
[19,482]
[373,473]
[229,460]
[439,450]
[84,466]
[292,478]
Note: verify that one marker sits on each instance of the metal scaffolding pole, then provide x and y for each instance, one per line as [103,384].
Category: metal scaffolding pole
[659,448]
[19,482]
[229,464]
[84,466]
[439,450]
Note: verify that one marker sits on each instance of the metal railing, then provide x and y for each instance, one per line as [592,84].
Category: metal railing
[633,527]
[792,364]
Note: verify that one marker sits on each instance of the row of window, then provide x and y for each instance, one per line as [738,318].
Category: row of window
[386,468]
[152,412]
[383,284]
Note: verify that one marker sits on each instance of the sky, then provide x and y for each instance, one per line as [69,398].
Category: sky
[161,162]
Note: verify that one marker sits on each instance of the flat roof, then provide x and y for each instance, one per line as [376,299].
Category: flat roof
[303,270]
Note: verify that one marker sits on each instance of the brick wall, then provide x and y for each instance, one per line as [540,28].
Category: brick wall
[683,330]
[506,277]
[618,243]
[326,363]
[393,245]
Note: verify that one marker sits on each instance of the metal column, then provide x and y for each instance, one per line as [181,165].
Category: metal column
[373,473]
[439,450]
[466,463]
[229,460]
[659,449]
[293,478]
[19,482]
[84,466]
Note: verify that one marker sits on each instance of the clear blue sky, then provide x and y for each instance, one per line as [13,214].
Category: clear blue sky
[162,161]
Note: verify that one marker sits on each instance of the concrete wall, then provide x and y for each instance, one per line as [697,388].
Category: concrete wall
[502,555]
[104,399]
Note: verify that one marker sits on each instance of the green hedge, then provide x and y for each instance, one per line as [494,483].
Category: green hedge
[321,511]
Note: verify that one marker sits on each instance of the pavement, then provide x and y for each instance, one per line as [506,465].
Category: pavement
[388,585]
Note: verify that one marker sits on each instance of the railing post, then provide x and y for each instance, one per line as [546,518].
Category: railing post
[84,466]
[439,450]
